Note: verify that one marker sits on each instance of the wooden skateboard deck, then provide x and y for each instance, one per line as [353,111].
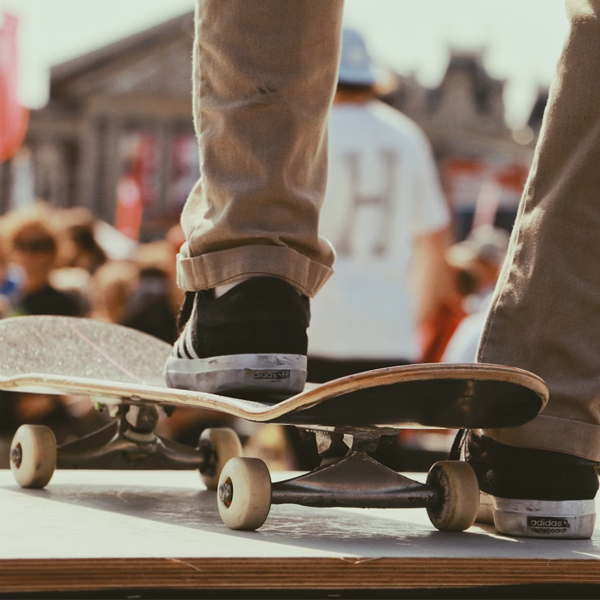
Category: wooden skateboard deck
[64,355]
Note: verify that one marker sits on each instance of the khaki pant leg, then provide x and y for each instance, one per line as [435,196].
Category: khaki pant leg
[264,76]
[546,313]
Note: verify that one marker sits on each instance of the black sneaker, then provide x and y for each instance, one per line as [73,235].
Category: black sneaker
[250,342]
[531,493]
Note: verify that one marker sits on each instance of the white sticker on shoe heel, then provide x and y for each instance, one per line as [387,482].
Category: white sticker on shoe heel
[548,525]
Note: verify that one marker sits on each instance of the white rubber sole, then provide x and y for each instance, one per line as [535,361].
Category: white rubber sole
[276,374]
[566,519]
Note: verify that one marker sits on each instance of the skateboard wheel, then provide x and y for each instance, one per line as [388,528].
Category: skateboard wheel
[244,493]
[459,490]
[223,444]
[33,456]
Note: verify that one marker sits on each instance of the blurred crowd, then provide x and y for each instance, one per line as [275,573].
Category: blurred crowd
[66,262]
[61,262]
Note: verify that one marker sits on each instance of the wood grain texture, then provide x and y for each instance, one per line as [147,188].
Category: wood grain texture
[94,530]
[289,573]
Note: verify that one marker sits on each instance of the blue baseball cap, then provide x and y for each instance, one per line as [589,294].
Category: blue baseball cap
[356,65]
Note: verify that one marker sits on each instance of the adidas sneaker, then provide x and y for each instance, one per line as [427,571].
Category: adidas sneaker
[532,493]
[251,341]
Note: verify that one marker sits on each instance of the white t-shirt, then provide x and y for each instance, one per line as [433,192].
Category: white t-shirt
[383,191]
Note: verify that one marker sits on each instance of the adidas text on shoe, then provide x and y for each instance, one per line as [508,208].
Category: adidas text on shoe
[569,519]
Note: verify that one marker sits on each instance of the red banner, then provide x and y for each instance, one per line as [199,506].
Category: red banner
[13,116]
[130,208]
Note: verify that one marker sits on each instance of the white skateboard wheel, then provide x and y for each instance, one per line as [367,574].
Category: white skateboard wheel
[33,456]
[224,444]
[459,489]
[244,494]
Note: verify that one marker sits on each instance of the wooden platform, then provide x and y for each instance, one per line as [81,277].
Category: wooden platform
[159,530]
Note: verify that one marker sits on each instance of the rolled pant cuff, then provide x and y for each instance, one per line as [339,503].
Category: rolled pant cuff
[554,434]
[218,268]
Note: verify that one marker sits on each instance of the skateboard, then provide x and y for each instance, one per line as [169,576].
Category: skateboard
[121,369]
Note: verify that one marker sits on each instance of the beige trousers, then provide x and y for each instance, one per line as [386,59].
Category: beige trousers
[545,316]
[264,76]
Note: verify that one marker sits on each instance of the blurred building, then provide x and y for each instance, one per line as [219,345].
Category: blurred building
[119,124]
[121,114]
[483,163]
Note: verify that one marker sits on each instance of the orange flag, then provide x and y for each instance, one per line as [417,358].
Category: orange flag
[13,116]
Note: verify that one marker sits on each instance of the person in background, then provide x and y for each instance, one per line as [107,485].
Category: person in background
[11,280]
[383,203]
[386,217]
[481,256]
[138,293]
[110,289]
[437,330]
[80,249]
[32,244]
[153,305]
[162,255]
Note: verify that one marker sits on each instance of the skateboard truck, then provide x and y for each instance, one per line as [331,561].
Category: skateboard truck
[129,442]
[333,444]
[450,495]
[353,480]
[133,444]
[357,480]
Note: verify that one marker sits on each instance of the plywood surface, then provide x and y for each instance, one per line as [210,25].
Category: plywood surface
[107,530]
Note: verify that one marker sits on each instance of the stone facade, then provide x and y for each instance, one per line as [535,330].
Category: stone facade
[124,107]
[482,165]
